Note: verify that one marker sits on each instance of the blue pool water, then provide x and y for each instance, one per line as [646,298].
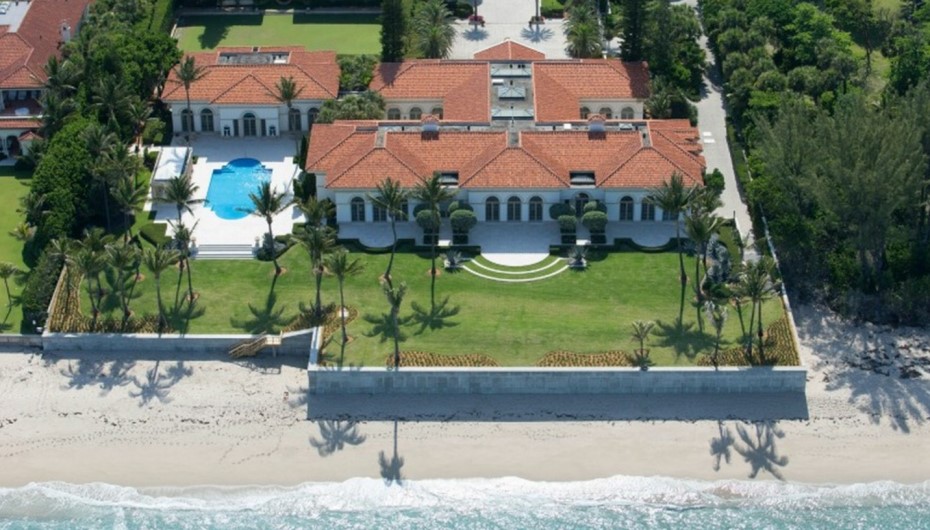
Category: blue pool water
[617,502]
[228,194]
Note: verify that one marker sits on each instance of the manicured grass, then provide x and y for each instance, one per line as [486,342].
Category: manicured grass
[347,34]
[515,324]
[13,186]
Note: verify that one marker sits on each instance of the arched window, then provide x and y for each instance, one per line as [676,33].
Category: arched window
[580,200]
[492,209]
[416,113]
[514,209]
[606,112]
[206,120]
[585,112]
[293,120]
[649,211]
[187,121]
[626,113]
[312,115]
[248,125]
[393,114]
[437,111]
[358,209]
[626,208]
[536,209]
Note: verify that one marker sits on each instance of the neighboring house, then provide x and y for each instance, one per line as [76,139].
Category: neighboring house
[506,174]
[510,81]
[30,33]
[237,94]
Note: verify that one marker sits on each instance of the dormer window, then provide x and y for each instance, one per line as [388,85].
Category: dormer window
[581,178]
[449,178]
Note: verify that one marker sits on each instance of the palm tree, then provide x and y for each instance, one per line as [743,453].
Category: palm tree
[61,77]
[188,73]
[391,197]
[339,266]
[286,91]
[55,110]
[180,191]
[111,100]
[97,140]
[432,193]
[673,197]
[756,283]
[700,227]
[158,260]
[130,194]
[316,211]
[641,331]
[89,263]
[140,112]
[583,32]
[267,203]
[432,24]
[395,297]
[23,232]
[183,236]
[318,241]
[113,165]
[125,258]
[8,270]
[717,314]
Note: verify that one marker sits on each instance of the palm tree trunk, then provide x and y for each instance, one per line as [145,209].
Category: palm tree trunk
[318,273]
[180,211]
[161,306]
[342,314]
[190,283]
[681,257]
[6,284]
[739,311]
[274,254]
[697,291]
[752,322]
[396,339]
[177,289]
[432,287]
[387,273]
[93,304]
[761,352]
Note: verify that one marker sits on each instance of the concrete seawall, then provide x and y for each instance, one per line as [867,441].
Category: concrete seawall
[295,343]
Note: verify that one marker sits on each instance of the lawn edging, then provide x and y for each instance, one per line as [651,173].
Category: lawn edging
[334,381]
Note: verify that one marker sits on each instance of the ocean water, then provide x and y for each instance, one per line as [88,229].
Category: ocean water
[618,502]
[228,193]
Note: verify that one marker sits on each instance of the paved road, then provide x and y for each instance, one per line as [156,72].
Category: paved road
[507,19]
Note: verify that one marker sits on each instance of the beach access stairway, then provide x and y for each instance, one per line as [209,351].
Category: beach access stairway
[227,251]
[251,347]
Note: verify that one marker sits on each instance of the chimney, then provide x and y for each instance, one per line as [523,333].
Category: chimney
[65,32]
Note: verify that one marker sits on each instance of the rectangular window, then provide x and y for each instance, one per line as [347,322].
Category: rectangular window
[648,212]
[378,214]
[536,210]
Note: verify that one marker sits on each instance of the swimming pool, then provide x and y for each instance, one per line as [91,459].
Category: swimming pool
[228,194]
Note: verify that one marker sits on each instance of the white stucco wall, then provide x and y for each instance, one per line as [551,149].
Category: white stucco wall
[425,105]
[615,106]
[223,116]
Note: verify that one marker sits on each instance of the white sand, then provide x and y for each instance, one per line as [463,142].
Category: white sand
[215,422]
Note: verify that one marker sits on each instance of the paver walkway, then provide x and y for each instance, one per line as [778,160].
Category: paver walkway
[508,19]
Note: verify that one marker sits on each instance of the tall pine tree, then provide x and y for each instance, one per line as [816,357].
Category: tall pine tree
[393,28]
[634,25]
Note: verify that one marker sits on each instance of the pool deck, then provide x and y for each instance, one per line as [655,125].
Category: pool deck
[213,153]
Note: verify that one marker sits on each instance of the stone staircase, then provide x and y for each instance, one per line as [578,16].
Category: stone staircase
[230,251]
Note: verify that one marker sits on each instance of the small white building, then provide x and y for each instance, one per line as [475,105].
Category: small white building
[236,96]
[171,162]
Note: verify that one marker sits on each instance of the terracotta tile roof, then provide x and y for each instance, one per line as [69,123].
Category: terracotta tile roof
[315,72]
[29,136]
[560,86]
[25,52]
[462,86]
[510,51]
[356,156]
[20,123]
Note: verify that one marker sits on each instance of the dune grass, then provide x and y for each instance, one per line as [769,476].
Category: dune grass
[346,34]
[515,324]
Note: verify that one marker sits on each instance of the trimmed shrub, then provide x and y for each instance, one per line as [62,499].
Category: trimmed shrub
[463,221]
[595,221]
[552,9]
[568,223]
[461,9]
[38,291]
[427,221]
[595,206]
[560,209]
[459,205]
[155,233]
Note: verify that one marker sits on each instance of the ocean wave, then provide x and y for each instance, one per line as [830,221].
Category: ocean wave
[466,503]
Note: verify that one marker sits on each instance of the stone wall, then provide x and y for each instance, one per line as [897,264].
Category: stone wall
[555,380]
[295,343]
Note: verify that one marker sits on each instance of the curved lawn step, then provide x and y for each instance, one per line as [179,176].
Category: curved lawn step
[551,264]
[515,280]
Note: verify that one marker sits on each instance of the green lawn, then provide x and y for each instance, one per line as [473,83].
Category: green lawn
[13,185]
[347,34]
[516,324]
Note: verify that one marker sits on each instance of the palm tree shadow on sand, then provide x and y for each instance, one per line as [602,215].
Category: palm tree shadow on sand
[335,435]
[436,317]
[157,385]
[391,468]
[721,445]
[758,448]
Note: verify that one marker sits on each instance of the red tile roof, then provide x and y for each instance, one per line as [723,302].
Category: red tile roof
[23,53]
[462,86]
[560,86]
[19,123]
[358,156]
[315,72]
[510,51]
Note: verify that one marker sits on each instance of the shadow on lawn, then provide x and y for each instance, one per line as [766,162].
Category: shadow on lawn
[684,339]
[268,318]
[216,29]
[436,317]
[383,328]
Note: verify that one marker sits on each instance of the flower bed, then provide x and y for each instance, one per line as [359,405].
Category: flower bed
[779,349]
[427,359]
[567,359]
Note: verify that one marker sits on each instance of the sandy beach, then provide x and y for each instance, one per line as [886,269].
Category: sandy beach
[177,422]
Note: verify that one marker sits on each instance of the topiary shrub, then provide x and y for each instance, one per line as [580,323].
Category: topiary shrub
[595,221]
[458,205]
[568,224]
[595,206]
[427,221]
[560,209]
[463,221]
